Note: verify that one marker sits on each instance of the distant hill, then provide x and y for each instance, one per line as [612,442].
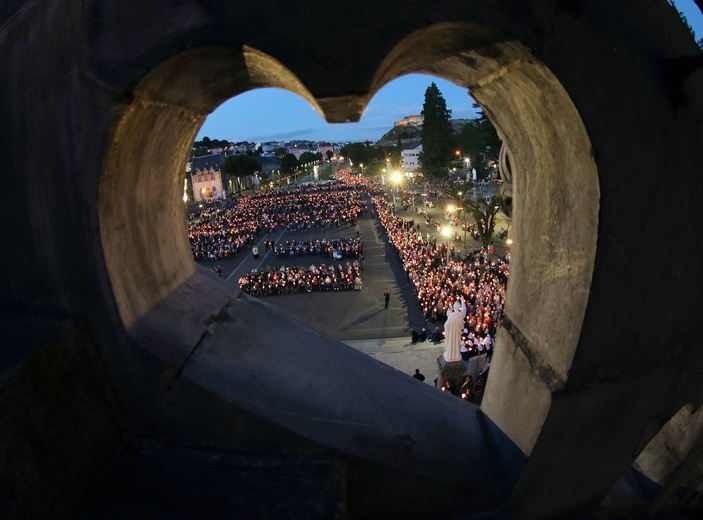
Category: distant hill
[410,134]
[403,133]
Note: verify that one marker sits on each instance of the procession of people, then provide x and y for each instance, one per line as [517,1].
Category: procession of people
[469,286]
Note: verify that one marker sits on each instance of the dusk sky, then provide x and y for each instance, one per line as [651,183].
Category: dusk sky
[274,114]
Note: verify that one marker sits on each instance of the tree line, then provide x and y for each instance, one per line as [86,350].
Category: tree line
[239,166]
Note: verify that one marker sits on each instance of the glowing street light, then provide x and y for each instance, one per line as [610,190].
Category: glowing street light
[451,209]
[396,178]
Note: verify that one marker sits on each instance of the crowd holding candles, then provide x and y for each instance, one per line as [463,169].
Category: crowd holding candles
[292,280]
[440,276]
[439,282]
[224,231]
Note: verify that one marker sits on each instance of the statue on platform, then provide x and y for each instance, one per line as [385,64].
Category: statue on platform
[452,331]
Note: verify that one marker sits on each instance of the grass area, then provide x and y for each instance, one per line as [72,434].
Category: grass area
[326,171]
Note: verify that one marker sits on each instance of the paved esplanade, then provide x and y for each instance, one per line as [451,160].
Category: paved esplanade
[357,318]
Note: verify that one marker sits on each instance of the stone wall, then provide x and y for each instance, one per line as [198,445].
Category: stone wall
[605,283]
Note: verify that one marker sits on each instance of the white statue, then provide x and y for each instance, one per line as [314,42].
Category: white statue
[452,331]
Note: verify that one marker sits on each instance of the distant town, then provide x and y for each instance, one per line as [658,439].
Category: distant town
[216,167]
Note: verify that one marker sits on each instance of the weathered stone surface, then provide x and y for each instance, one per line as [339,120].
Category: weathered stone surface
[60,429]
[665,452]
[452,371]
[599,102]
[522,424]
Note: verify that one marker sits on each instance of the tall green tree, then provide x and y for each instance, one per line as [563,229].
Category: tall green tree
[240,166]
[329,154]
[437,133]
[289,163]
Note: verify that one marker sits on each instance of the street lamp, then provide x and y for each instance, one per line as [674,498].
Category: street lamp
[446,232]
[412,190]
[451,208]
[396,177]
[362,168]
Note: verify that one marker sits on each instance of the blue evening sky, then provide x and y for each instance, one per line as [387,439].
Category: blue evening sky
[278,115]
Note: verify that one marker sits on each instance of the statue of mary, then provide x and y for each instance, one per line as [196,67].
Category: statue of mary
[452,331]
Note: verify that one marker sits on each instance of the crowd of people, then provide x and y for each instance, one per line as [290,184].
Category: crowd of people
[292,280]
[337,248]
[440,282]
[219,233]
[223,232]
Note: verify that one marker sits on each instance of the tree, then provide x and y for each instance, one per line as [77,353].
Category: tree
[239,166]
[437,133]
[329,154]
[307,157]
[688,25]
[288,163]
[206,145]
[479,140]
[484,214]
[357,153]
[280,152]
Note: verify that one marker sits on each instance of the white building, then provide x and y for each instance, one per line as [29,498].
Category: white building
[410,121]
[411,158]
[207,185]
[298,151]
[323,148]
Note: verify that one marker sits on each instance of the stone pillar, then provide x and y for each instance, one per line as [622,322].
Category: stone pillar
[452,371]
